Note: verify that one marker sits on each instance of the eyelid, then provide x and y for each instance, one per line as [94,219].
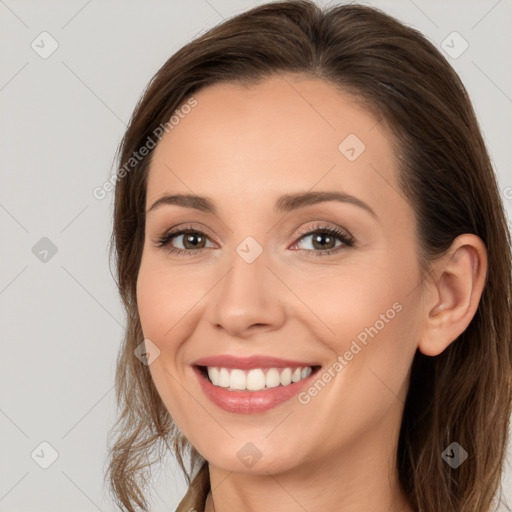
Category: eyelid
[320,226]
[178,228]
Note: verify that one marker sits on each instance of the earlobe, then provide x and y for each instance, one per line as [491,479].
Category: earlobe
[453,291]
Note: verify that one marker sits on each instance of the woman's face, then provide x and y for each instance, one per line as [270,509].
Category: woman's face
[259,275]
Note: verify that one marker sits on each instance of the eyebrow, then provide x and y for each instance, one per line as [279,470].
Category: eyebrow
[285,203]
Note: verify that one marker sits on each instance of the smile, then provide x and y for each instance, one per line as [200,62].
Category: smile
[248,385]
[257,379]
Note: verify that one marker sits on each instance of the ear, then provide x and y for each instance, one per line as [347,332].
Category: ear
[452,293]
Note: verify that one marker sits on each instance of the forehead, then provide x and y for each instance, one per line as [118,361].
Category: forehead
[283,135]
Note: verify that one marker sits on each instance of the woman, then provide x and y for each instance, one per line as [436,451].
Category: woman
[315,264]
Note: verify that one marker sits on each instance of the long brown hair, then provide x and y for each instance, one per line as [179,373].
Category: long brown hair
[465,393]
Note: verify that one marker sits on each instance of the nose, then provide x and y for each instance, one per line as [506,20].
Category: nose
[248,299]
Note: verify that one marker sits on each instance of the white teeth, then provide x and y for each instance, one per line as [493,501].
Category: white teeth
[286,377]
[256,379]
[223,378]
[296,375]
[306,372]
[272,378]
[214,375]
[237,379]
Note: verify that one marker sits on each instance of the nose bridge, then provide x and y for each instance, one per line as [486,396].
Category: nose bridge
[246,295]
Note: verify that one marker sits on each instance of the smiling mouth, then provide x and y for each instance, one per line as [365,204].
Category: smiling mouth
[255,379]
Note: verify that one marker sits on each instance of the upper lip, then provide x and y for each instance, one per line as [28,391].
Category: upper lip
[231,361]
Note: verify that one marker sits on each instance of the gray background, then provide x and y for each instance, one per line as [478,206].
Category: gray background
[62,119]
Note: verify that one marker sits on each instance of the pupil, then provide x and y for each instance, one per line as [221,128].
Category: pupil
[317,238]
[189,239]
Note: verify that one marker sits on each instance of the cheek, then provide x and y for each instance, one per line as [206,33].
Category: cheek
[348,301]
[151,304]
[161,310]
[372,318]
[166,298]
[159,307]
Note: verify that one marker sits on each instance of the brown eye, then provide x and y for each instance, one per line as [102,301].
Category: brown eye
[184,242]
[324,240]
[193,240]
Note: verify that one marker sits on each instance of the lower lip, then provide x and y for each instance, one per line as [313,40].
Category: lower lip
[250,402]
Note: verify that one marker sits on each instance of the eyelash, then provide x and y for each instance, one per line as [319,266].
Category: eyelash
[348,240]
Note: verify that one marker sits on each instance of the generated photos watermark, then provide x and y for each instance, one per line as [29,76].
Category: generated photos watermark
[343,360]
[100,192]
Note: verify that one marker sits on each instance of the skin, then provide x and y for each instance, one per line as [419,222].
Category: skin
[243,148]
